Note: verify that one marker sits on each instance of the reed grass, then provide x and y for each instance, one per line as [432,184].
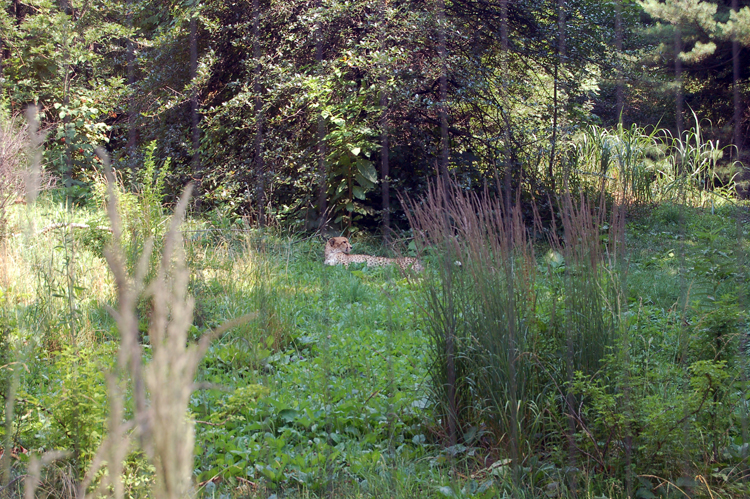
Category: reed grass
[480,311]
[504,353]
[693,171]
[624,160]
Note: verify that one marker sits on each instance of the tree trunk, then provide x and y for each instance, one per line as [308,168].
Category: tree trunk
[194,117]
[736,91]
[132,144]
[504,47]
[384,151]
[66,76]
[559,62]
[450,349]
[678,98]
[443,113]
[259,163]
[618,46]
[322,173]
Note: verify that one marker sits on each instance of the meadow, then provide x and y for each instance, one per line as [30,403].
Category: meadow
[601,353]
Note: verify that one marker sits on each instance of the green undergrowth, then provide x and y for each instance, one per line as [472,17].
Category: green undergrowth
[328,381]
[325,393]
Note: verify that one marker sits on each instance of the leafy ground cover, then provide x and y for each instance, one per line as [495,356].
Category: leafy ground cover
[326,392]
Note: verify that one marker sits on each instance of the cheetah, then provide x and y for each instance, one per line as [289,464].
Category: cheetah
[337,253]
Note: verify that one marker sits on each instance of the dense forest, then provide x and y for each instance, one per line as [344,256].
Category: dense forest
[543,291]
[289,110]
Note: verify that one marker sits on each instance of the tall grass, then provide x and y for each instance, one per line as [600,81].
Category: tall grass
[21,172]
[624,159]
[589,245]
[692,170]
[480,313]
[505,352]
[160,421]
[148,391]
[639,165]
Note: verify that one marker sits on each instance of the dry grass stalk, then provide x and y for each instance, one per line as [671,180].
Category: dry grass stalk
[21,173]
[14,143]
[35,470]
[162,388]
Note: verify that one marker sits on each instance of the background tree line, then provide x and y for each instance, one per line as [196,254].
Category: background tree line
[297,108]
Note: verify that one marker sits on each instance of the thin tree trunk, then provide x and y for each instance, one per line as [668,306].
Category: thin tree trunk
[194,117]
[259,163]
[559,62]
[443,113]
[618,46]
[504,46]
[736,91]
[132,114]
[678,80]
[562,28]
[384,151]
[322,173]
[68,174]
[385,169]
[551,167]
[620,109]
[2,66]
[570,398]
[507,181]
[450,347]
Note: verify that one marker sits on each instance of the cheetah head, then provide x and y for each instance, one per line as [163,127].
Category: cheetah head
[338,245]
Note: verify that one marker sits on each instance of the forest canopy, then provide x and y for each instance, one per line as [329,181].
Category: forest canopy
[292,109]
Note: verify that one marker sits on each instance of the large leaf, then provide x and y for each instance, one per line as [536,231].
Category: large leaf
[367,170]
[366,184]
[358,192]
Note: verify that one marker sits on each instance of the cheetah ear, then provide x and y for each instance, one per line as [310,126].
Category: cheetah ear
[330,242]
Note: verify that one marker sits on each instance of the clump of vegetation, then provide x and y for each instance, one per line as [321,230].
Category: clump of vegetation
[551,358]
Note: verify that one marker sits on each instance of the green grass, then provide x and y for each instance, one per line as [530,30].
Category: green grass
[326,392]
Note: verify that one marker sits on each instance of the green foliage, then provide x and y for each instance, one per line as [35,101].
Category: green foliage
[77,135]
[151,194]
[668,409]
[323,414]
[69,403]
[583,364]
[352,177]
[692,170]
[62,59]
[120,75]
[623,159]
[326,392]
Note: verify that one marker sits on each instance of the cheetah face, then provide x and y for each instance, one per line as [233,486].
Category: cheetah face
[338,245]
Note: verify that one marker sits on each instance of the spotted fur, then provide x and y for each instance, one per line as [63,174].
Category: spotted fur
[337,253]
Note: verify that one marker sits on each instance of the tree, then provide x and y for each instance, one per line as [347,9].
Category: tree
[59,57]
[707,36]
